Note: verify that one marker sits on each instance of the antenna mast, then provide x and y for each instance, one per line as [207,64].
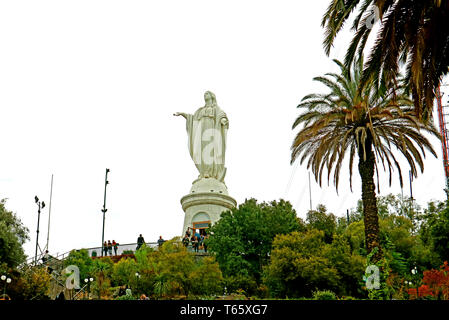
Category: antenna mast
[442,117]
[49,213]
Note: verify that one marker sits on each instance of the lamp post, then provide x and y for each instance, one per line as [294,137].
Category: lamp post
[137,274]
[40,205]
[7,281]
[88,281]
[106,182]
[414,271]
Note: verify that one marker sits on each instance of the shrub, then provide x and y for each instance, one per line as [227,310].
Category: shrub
[30,283]
[324,295]
[240,282]
[126,297]
[123,272]
[206,277]
[435,284]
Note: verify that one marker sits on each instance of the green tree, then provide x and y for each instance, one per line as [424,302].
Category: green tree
[413,34]
[31,283]
[206,278]
[168,272]
[405,236]
[302,263]
[349,264]
[124,272]
[321,220]
[402,246]
[355,235]
[146,268]
[398,230]
[361,120]
[101,270]
[435,233]
[242,239]
[13,234]
[173,264]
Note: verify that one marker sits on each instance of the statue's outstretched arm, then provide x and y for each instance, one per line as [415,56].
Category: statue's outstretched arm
[182,114]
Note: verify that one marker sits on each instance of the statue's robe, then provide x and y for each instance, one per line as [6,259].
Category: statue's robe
[207,141]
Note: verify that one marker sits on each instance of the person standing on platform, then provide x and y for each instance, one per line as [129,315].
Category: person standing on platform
[185,241]
[105,248]
[192,241]
[110,247]
[45,257]
[195,244]
[201,241]
[197,233]
[140,242]
[115,245]
[160,242]
[205,242]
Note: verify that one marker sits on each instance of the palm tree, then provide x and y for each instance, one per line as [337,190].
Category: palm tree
[368,121]
[414,33]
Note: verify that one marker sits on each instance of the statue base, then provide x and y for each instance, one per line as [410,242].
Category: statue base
[207,199]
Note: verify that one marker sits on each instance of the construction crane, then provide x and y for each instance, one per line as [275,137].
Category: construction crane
[443,117]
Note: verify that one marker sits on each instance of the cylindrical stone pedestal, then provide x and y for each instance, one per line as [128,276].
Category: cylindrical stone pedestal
[207,199]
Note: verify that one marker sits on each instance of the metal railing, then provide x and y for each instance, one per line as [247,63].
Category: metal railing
[30,261]
[121,249]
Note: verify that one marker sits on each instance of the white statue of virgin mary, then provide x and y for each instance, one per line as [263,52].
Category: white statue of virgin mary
[206,130]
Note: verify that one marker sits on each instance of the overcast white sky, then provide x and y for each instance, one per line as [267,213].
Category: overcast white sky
[90,85]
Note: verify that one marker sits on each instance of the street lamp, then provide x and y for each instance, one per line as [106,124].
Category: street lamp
[88,281]
[7,281]
[414,272]
[40,205]
[106,182]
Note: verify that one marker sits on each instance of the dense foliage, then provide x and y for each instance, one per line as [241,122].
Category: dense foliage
[412,35]
[241,240]
[264,250]
[13,235]
[169,272]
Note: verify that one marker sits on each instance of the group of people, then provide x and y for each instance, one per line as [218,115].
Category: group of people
[107,247]
[141,241]
[196,239]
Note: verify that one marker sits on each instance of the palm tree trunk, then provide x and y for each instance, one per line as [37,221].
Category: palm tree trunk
[370,216]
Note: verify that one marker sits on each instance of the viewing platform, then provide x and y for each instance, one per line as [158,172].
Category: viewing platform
[123,250]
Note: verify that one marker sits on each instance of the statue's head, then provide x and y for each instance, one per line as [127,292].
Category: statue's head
[210,99]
